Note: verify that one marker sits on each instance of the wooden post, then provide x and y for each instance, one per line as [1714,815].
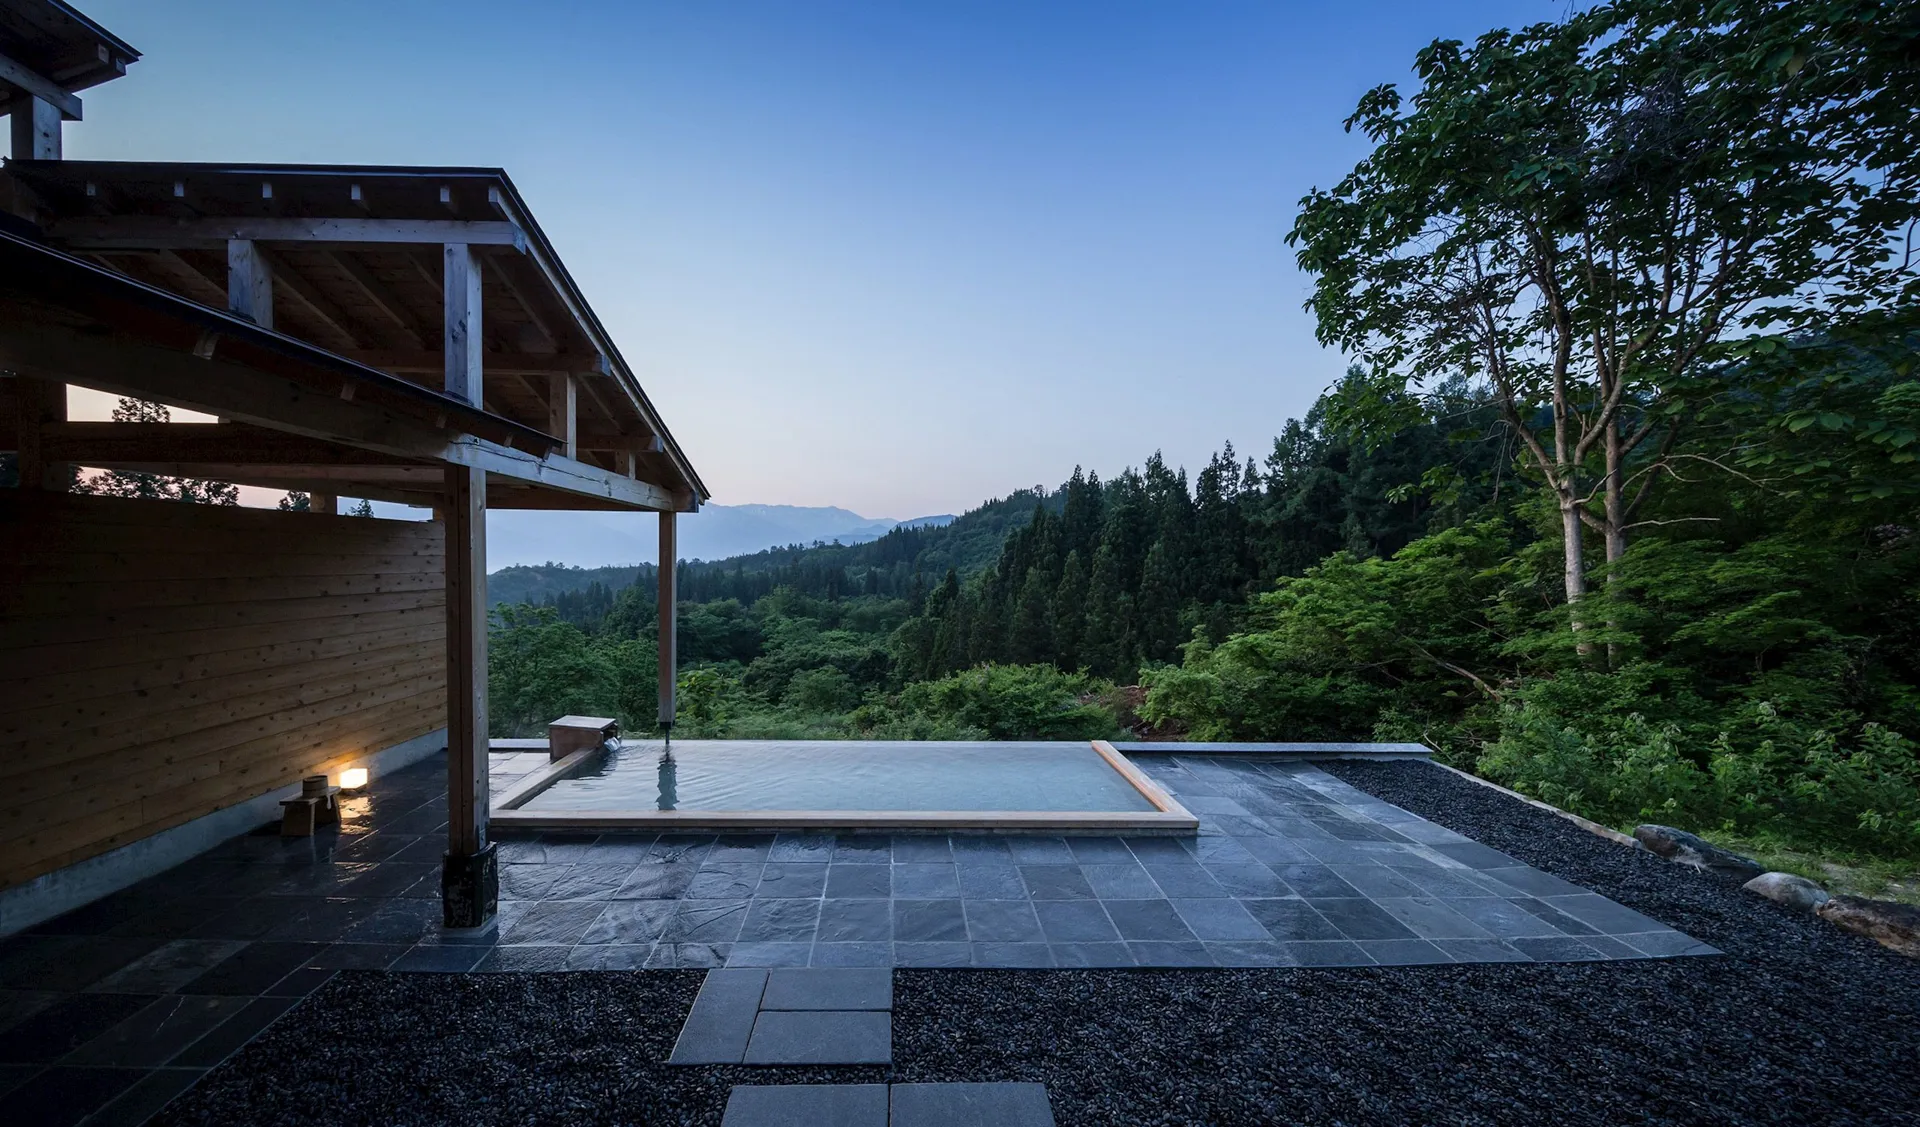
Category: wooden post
[39,403]
[669,637]
[328,503]
[249,282]
[461,283]
[36,128]
[469,881]
[562,411]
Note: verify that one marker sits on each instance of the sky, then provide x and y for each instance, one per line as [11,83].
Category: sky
[895,257]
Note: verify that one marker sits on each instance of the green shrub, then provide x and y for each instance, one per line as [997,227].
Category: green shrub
[1015,702]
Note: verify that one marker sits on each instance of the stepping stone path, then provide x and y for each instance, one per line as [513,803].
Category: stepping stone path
[814,1016]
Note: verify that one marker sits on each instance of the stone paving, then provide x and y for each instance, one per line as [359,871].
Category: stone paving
[798,1015]
[881,1105]
[112,1009]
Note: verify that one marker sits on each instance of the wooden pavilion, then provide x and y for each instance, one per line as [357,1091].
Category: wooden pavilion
[400,334]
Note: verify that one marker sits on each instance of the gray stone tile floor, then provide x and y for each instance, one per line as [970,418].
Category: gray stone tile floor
[111,1009]
[878,1105]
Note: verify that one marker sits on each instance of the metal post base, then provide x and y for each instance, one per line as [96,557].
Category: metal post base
[470,887]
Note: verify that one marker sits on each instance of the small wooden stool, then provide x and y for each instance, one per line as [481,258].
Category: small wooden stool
[578,733]
[317,805]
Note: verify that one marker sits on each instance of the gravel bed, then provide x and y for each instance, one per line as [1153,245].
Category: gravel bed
[1800,1023]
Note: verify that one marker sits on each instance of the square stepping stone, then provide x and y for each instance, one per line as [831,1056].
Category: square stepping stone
[971,1105]
[722,1019]
[829,989]
[821,1037]
[806,1105]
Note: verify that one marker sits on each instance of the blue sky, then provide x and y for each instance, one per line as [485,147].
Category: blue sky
[897,257]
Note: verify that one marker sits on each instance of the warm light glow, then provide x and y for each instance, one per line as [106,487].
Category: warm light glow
[353,778]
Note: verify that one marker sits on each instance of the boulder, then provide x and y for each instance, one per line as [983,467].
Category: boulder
[1891,924]
[1681,846]
[1785,888]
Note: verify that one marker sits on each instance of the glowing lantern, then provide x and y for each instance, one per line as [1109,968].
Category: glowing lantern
[353,778]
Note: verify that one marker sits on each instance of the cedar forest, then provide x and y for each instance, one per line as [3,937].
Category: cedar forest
[1616,505]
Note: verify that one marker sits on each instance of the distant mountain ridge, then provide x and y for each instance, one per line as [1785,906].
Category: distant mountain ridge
[604,539]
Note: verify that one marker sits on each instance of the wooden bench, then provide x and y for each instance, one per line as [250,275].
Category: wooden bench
[316,805]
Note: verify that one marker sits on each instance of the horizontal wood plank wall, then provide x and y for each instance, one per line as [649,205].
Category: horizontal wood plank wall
[160,661]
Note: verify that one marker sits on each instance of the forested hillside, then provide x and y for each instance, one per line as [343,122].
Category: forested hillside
[1617,506]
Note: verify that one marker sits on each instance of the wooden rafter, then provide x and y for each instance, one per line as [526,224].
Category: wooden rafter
[381,298]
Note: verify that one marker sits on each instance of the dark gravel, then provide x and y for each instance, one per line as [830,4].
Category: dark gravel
[1800,1024]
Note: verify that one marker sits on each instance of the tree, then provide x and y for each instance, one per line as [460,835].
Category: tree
[296,502]
[131,483]
[1070,611]
[363,509]
[1585,214]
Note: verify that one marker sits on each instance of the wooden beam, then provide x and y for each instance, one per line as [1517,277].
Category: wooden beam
[467,900]
[256,473]
[562,410]
[668,597]
[316,302]
[32,346]
[383,299]
[249,283]
[495,363]
[520,297]
[38,404]
[623,443]
[147,232]
[188,275]
[105,444]
[464,334]
[325,503]
[41,89]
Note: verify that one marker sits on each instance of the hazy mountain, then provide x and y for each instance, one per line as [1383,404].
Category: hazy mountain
[602,539]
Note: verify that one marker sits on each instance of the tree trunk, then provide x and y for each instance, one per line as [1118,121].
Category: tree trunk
[1574,542]
[1615,520]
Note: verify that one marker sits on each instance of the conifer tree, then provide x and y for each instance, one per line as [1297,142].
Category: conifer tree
[1031,632]
[1104,640]
[1070,612]
[1158,605]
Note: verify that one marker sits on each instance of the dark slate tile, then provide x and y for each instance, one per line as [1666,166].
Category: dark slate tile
[1219,919]
[970,1105]
[154,1035]
[553,921]
[1479,951]
[828,990]
[725,880]
[790,1037]
[1040,851]
[991,882]
[1404,952]
[445,959]
[853,921]
[1148,920]
[1504,919]
[1188,881]
[528,957]
[806,1105]
[1001,921]
[669,955]
[943,954]
[928,921]
[176,917]
[1158,850]
[657,882]
[319,920]
[980,849]
[1249,954]
[790,921]
[1276,851]
[1429,918]
[1100,850]
[630,922]
[863,882]
[1210,804]
[1291,920]
[252,969]
[1012,955]
[63,1095]
[585,881]
[1126,881]
[73,962]
[1191,953]
[1211,848]
[1533,882]
[1091,955]
[1667,944]
[852,955]
[17,1006]
[393,878]
[610,956]
[399,921]
[1444,883]
[1599,912]
[817,848]
[1546,913]
[921,849]
[706,921]
[1609,947]
[864,849]
[679,849]
[1563,949]
[1251,880]
[64,1026]
[356,956]
[1376,881]
[623,849]
[141,1101]
[1056,882]
[1075,921]
[791,879]
[168,967]
[763,953]
[721,1020]
[1314,881]
[528,882]
[1361,919]
[740,848]
[236,1031]
[1334,953]
[1475,855]
[924,881]
[300,982]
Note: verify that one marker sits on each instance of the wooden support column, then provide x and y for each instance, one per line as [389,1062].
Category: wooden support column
[36,128]
[562,411]
[249,282]
[470,879]
[463,336]
[40,403]
[669,626]
[328,503]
